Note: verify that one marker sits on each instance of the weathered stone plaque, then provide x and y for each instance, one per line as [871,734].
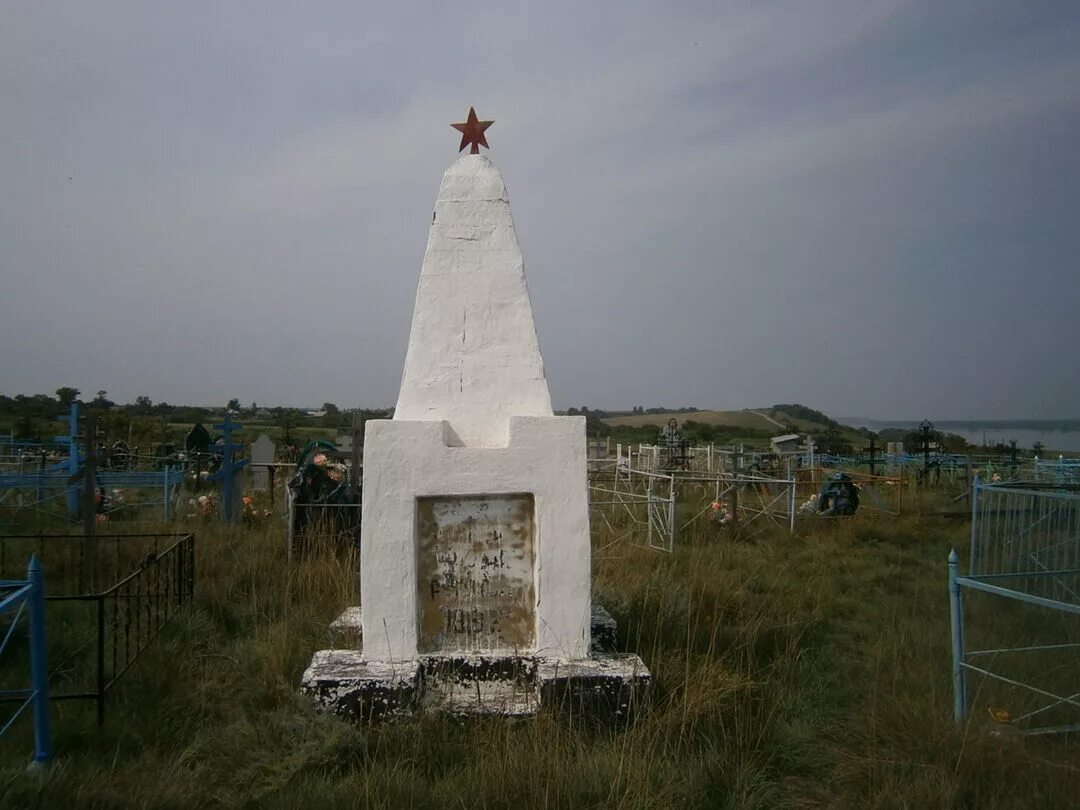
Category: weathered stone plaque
[476,583]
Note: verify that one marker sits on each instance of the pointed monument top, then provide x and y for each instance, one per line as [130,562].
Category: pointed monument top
[472,132]
[473,358]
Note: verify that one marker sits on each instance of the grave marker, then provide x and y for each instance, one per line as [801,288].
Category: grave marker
[871,450]
[227,474]
[262,452]
[928,439]
[475,551]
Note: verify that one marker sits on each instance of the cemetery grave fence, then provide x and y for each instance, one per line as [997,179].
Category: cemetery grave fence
[108,598]
[1016,650]
[19,597]
[650,494]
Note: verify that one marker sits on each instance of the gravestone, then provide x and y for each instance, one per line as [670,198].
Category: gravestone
[475,551]
[197,439]
[262,452]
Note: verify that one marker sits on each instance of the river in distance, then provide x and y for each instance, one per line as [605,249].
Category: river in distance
[1067,441]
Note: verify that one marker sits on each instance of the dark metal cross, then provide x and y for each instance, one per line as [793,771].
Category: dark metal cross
[927,434]
[872,450]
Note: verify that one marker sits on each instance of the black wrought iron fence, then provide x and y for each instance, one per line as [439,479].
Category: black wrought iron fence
[96,637]
[77,564]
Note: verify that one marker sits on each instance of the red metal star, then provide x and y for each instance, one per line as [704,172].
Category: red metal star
[472,132]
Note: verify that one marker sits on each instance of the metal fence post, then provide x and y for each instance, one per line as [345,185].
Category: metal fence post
[39,665]
[191,567]
[671,516]
[975,537]
[72,494]
[956,612]
[791,503]
[649,509]
[733,495]
[101,659]
[168,474]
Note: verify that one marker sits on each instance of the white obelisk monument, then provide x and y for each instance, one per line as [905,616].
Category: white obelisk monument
[475,523]
[474,465]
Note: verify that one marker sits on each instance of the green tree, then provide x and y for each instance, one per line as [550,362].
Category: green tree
[24,428]
[234,404]
[287,421]
[67,395]
[832,442]
[102,401]
[330,408]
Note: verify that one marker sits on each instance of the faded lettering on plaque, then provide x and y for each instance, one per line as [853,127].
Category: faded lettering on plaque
[475,560]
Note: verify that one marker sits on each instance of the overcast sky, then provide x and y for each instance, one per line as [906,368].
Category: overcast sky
[872,208]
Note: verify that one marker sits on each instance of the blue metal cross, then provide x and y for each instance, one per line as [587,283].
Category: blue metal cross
[74,461]
[229,468]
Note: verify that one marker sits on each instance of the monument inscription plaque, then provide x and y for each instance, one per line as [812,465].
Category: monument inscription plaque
[475,578]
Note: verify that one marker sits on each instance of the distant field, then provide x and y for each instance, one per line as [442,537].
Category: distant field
[766,419]
[739,419]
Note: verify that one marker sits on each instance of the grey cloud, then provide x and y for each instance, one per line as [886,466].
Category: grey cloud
[865,206]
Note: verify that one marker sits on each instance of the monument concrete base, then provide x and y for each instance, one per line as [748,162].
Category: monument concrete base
[346,631]
[605,684]
[345,682]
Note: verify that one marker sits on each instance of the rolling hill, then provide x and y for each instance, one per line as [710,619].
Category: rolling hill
[767,419]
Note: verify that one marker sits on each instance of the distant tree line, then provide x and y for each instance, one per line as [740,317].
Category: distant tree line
[809,414]
[35,417]
[950,442]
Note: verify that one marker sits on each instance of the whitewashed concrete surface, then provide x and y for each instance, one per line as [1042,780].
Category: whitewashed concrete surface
[473,357]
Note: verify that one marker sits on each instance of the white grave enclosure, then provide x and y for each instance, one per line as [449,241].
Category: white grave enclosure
[475,523]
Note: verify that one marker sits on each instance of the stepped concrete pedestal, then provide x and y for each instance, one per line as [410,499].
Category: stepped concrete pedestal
[475,553]
[604,685]
[344,682]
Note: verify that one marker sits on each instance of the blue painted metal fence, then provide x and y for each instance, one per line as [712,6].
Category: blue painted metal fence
[28,596]
[103,631]
[1025,548]
[1064,471]
[58,485]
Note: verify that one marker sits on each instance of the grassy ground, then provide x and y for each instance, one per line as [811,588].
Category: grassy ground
[790,672]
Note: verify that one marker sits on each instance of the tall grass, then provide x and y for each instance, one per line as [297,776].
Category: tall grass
[789,672]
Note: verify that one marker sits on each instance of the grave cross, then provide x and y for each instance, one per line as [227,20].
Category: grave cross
[73,462]
[87,475]
[872,449]
[926,437]
[226,474]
